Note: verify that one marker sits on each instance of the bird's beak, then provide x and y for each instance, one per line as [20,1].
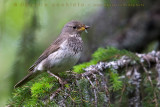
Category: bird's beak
[83,28]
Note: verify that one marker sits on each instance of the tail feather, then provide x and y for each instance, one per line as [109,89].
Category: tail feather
[27,78]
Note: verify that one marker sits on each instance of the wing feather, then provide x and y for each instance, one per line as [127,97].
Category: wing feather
[52,48]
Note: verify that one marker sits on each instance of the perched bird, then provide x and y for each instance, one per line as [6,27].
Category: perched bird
[61,55]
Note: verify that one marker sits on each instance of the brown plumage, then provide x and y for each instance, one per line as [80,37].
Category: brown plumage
[52,48]
[61,55]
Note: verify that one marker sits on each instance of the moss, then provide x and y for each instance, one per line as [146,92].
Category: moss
[80,68]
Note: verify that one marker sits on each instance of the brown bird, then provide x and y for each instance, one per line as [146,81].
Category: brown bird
[61,55]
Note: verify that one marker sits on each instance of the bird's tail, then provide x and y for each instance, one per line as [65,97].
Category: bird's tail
[27,78]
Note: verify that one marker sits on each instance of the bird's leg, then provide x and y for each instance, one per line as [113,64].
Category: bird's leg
[59,79]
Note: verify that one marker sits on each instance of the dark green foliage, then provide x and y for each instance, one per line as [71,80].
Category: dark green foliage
[30,93]
[20,95]
[149,92]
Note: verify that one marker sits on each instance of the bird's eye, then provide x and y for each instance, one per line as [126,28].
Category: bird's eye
[74,27]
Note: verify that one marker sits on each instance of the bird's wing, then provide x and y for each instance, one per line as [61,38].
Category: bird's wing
[52,48]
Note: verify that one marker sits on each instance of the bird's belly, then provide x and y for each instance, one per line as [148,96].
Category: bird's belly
[62,60]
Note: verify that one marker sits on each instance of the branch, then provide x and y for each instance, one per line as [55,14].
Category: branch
[106,84]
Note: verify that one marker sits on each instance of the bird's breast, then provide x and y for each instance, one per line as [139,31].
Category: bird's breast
[75,44]
[66,57]
[62,60]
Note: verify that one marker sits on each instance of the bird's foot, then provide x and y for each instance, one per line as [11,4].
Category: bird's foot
[62,83]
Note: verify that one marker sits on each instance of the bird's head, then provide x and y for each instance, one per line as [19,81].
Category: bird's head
[74,27]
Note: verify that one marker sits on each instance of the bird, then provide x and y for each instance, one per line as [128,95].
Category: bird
[61,55]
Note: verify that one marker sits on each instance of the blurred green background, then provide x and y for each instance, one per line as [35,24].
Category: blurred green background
[27,29]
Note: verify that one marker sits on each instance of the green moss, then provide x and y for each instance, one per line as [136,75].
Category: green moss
[80,68]
[38,89]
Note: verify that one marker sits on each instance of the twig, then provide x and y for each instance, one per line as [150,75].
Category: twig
[55,93]
[149,78]
[90,81]
[135,80]
[124,87]
[94,89]
[105,87]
